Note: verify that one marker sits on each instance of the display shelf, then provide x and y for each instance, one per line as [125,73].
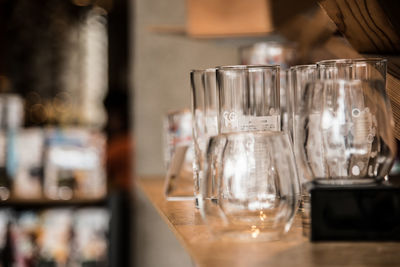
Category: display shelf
[294,250]
[39,203]
[182,31]
[117,203]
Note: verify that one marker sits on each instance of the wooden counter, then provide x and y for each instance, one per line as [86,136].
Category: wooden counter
[295,250]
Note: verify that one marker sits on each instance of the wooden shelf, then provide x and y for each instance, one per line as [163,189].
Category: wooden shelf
[294,250]
[181,31]
[49,203]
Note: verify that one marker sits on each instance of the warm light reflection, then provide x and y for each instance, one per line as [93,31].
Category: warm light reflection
[235,170]
[254,231]
[263,216]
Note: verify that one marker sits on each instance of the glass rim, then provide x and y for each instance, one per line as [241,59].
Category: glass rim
[210,70]
[263,66]
[371,59]
[350,61]
[202,70]
[229,67]
[334,61]
[246,67]
[304,66]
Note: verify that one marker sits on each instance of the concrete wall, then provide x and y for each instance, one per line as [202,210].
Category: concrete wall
[160,82]
[162,63]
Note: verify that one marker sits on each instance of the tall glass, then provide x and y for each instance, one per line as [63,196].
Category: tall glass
[286,102]
[335,69]
[364,69]
[370,69]
[205,123]
[248,98]
[300,76]
[178,155]
[344,134]
[360,69]
[250,191]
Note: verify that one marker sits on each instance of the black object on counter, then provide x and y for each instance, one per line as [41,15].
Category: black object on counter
[355,213]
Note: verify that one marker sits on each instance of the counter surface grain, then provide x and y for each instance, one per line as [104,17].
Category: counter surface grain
[294,250]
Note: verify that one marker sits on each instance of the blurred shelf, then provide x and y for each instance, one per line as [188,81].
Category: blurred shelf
[181,31]
[294,250]
[17,203]
[168,29]
[231,40]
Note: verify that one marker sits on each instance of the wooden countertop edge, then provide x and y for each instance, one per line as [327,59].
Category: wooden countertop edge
[292,249]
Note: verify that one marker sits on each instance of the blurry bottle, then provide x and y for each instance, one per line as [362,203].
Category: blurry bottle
[11,120]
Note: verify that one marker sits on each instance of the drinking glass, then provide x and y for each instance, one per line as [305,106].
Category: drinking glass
[205,123]
[344,134]
[251,187]
[248,98]
[178,155]
[286,102]
[335,69]
[370,69]
[300,76]
[360,69]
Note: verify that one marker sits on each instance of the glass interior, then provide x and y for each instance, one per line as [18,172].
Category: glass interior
[251,188]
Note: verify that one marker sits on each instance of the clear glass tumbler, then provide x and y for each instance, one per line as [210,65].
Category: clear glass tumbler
[300,76]
[248,98]
[332,69]
[178,155]
[205,123]
[286,102]
[365,69]
[344,134]
[251,187]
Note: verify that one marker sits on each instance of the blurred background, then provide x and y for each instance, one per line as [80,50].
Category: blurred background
[85,86]
[65,139]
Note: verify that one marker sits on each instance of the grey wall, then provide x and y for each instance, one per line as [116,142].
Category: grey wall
[160,81]
[161,66]
[162,63]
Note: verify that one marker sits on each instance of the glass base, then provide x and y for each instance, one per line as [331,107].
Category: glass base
[348,181]
[179,198]
[252,234]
